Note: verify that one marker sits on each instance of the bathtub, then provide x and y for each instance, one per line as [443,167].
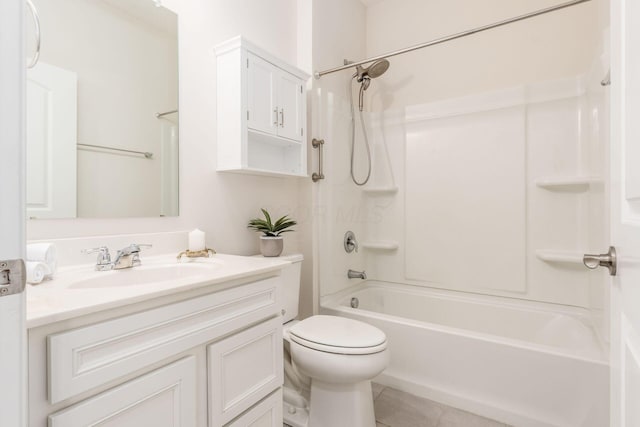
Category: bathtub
[519,362]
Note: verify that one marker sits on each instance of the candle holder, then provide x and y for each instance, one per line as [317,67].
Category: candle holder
[205,253]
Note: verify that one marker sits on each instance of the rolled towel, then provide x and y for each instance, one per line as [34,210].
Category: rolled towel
[36,271]
[43,252]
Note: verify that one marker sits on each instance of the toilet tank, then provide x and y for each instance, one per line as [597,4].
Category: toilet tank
[291,286]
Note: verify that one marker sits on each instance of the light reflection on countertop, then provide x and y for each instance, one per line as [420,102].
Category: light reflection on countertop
[80,290]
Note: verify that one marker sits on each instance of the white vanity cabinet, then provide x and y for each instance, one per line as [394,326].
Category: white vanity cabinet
[202,358]
[261,112]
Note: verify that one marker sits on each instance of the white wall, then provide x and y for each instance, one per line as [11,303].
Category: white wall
[220,204]
[556,45]
[122,63]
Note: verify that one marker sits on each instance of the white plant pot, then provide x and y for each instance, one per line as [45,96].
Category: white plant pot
[271,246]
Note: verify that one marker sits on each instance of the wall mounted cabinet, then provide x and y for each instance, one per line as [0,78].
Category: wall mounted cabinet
[261,112]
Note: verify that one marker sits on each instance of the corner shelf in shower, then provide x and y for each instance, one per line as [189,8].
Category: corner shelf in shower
[568,183]
[563,257]
[380,191]
[380,245]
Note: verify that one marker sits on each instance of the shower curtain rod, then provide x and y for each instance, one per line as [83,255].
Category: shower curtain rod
[319,74]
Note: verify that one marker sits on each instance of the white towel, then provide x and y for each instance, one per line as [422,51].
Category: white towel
[43,252]
[36,271]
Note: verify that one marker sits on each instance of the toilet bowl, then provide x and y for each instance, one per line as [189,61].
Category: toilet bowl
[329,364]
[340,356]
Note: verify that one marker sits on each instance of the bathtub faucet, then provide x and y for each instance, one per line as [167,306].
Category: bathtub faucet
[353,274]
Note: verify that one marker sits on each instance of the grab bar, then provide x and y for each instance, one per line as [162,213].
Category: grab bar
[36,23]
[319,144]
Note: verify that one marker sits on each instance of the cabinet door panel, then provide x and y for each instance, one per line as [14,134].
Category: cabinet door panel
[261,95]
[242,369]
[267,413]
[290,106]
[163,398]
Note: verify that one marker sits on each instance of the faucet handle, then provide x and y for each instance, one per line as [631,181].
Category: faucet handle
[104,257]
[350,242]
[134,248]
[139,246]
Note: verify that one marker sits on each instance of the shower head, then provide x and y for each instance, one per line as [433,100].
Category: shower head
[373,71]
[364,76]
[378,68]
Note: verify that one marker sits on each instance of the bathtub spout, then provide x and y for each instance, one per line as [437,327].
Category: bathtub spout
[353,274]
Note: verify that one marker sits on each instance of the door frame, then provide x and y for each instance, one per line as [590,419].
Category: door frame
[13,341]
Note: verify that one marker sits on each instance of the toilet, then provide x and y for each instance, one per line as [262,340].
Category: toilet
[329,364]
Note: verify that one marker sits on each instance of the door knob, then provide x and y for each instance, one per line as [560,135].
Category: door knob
[608,260]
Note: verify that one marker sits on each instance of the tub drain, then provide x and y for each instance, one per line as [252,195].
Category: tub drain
[355,302]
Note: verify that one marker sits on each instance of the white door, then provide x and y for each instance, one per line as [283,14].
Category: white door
[289,104]
[625,212]
[12,308]
[261,93]
[51,142]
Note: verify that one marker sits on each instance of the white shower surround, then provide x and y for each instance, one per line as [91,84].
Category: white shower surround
[468,214]
[525,363]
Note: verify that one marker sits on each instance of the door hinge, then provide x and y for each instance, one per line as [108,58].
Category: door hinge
[301,134]
[300,88]
[13,277]
[247,62]
[247,114]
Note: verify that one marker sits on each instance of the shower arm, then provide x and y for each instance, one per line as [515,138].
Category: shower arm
[319,74]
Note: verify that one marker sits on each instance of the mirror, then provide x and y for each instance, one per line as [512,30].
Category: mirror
[102,119]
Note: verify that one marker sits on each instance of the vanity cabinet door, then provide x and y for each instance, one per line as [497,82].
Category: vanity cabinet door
[163,398]
[262,111]
[290,106]
[267,413]
[243,369]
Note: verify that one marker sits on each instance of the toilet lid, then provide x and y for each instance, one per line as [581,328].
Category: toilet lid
[336,334]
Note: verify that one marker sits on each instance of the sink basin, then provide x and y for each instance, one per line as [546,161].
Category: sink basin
[145,275]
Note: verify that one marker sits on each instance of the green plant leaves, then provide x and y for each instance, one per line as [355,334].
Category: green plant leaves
[268,228]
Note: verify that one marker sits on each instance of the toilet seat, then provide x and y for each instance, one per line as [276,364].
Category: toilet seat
[338,335]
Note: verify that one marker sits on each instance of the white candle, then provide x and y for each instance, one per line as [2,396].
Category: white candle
[196,241]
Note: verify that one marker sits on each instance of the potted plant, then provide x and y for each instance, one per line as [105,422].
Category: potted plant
[271,241]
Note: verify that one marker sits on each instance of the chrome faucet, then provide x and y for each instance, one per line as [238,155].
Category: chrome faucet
[353,274]
[126,258]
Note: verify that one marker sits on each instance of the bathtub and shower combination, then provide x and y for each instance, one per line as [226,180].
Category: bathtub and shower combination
[507,181]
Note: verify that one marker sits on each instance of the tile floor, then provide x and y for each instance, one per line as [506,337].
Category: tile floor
[395,408]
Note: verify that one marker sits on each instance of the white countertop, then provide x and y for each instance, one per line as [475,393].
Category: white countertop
[66,297]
